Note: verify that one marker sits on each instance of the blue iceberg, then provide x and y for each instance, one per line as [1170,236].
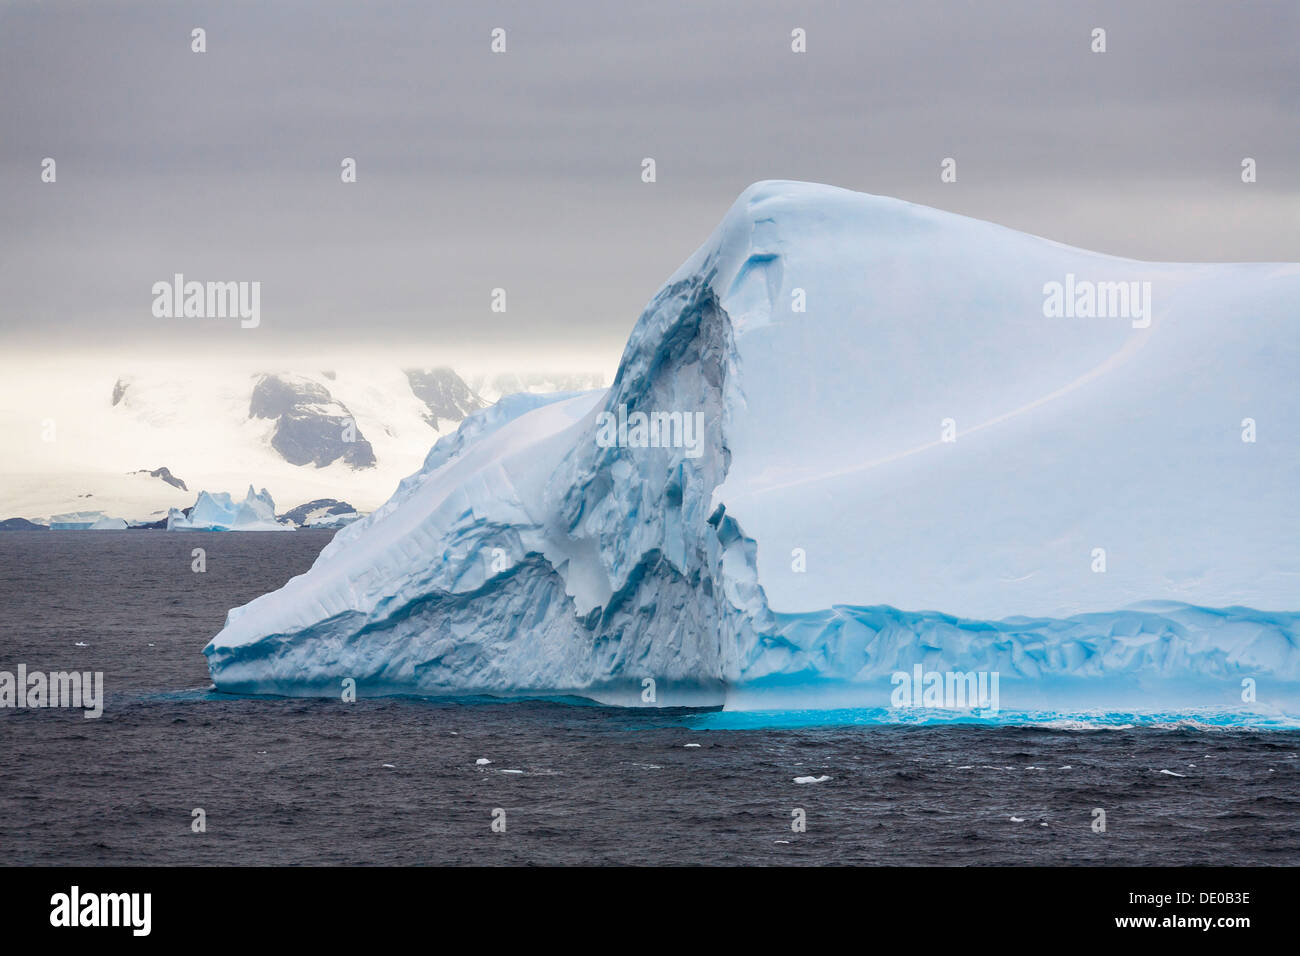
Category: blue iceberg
[851,440]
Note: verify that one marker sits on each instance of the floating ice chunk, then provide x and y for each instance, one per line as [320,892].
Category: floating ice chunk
[821,779]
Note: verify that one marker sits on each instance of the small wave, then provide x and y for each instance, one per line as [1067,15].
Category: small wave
[1071,724]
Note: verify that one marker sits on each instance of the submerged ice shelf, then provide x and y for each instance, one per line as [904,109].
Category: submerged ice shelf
[893,417]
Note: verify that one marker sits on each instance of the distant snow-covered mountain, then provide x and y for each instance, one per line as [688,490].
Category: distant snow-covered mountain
[133,444]
[445,395]
[311,426]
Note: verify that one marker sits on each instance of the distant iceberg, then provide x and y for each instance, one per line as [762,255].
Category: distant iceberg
[332,520]
[219,512]
[927,442]
[86,521]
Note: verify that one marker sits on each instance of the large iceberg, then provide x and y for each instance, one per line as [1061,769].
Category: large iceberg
[851,438]
[218,511]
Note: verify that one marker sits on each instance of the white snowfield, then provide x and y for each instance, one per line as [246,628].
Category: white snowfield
[926,440]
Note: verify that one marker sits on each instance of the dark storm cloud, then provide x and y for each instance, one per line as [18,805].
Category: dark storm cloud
[522,170]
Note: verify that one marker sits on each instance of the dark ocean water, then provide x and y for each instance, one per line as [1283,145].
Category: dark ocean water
[305,781]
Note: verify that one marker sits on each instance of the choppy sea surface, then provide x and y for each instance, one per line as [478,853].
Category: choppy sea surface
[402,781]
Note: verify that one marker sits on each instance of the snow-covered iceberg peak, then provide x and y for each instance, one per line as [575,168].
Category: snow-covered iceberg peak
[849,437]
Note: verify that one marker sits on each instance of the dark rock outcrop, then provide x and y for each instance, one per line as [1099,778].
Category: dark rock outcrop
[21,524]
[444,393]
[331,506]
[312,427]
[165,474]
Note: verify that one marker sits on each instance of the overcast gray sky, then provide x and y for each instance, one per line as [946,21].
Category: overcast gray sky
[522,170]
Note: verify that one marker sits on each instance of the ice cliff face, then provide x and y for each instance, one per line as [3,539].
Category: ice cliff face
[912,451]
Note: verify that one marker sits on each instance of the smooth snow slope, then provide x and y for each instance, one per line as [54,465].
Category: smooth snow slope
[827,535]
